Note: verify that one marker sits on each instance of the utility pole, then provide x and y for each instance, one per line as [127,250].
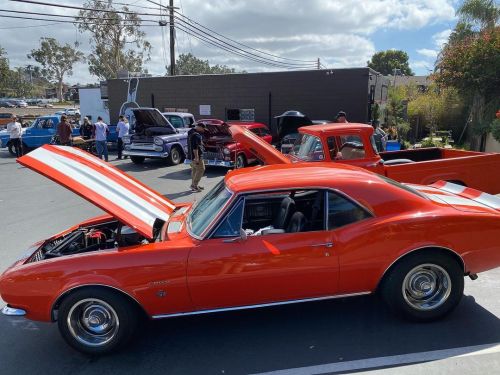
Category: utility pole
[319,64]
[172,38]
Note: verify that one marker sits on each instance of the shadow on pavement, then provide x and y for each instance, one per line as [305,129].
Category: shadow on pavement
[253,341]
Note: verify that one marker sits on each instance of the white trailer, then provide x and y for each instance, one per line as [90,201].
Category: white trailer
[91,105]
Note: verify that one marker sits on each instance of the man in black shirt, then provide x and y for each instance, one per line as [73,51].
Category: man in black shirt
[195,153]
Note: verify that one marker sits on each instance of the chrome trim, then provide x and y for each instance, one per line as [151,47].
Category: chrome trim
[199,312]
[149,154]
[11,311]
[423,248]
[53,310]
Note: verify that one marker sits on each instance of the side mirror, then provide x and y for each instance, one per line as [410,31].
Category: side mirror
[243,234]
[243,237]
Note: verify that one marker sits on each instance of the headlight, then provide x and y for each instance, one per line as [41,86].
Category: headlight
[158,141]
[126,139]
[226,151]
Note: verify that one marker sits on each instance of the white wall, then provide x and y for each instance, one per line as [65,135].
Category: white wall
[492,145]
[91,104]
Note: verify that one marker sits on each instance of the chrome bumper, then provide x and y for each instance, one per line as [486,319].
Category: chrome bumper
[147,154]
[214,163]
[11,311]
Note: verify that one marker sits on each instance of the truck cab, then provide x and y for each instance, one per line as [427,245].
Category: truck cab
[182,121]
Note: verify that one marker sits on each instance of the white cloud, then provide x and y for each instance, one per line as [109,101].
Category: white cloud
[441,38]
[338,31]
[431,53]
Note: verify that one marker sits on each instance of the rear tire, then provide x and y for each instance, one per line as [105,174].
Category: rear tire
[137,159]
[175,156]
[97,321]
[424,286]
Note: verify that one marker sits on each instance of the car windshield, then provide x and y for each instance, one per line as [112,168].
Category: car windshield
[206,210]
[308,148]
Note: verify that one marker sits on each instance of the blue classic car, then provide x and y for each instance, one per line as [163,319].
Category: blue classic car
[153,136]
[41,132]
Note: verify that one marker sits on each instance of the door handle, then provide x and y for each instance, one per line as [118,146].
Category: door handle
[326,244]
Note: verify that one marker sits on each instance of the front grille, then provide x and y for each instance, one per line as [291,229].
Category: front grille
[213,155]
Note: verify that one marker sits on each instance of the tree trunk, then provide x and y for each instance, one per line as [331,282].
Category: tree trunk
[59,89]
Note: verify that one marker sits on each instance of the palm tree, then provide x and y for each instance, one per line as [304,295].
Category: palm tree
[483,13]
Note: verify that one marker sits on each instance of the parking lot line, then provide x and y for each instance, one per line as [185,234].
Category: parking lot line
[395,360]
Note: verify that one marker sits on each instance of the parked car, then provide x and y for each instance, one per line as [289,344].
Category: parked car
[263,236]
[72,112]
[20,103]
[222,150]
[354,144]
[180,120]
[41,132]
[4,103]
[45,104]
[154,137]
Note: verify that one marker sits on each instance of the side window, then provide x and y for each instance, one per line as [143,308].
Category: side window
[231,225]
[351,147]
[310,148]
[342,211]
[333,148]
[255,131]
[188,121]
[47,124]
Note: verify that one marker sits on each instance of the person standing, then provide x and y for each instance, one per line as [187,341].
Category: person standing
[195,153]
[101,136]
[87,129]
[64,131]
[15,131]
[122,128]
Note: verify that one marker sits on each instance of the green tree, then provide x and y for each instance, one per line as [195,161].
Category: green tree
[484,14]
[387,62]
[56,60]
[110,40]
[188,64]
[4,70]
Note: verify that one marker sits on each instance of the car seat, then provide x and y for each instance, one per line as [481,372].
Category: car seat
[287,208]
[297,223]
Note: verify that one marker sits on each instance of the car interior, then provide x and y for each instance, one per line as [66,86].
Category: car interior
[289,212]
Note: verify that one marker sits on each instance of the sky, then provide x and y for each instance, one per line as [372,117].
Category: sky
[341,33]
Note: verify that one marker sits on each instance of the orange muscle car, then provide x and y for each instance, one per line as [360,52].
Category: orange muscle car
[263,236]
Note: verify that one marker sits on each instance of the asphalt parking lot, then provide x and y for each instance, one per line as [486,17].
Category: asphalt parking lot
[347,335]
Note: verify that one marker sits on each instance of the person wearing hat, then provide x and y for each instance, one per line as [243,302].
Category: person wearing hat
[195,153]
[15,131]
[341,117]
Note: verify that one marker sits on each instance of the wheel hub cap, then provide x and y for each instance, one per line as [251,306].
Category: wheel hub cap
[426,287]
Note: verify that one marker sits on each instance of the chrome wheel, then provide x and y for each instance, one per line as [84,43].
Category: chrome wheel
[426,287]
[240,162]
[93,322]
[176,156]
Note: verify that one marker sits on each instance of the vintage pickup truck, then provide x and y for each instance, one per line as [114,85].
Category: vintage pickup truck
[353,144]
[155,137]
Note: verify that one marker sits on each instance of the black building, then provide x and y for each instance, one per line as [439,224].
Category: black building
[320,94]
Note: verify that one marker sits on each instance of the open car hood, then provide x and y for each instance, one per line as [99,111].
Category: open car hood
[122,196]
[258,146]
[151,117]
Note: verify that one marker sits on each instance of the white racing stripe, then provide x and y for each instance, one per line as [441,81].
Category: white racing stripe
[93,160]
[395,360]
[453,188]
[456,201]
[101,185]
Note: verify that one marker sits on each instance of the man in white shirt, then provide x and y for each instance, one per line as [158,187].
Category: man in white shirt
[101,133]
[15,131]
[122,128]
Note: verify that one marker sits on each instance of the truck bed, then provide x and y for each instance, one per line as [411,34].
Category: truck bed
[475,169]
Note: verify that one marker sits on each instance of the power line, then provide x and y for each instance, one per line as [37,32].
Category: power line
[64,21]
[128,4]
[221,46]
[242,44]
[82,8]
[242,52]
[67,16]
[27,27]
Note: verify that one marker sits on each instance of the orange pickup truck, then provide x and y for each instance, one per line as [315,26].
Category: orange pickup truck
[354,144]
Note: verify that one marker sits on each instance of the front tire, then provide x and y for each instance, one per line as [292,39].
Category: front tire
[137,159]
[175,156]
[241,162]
[97,321]
[424,286]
